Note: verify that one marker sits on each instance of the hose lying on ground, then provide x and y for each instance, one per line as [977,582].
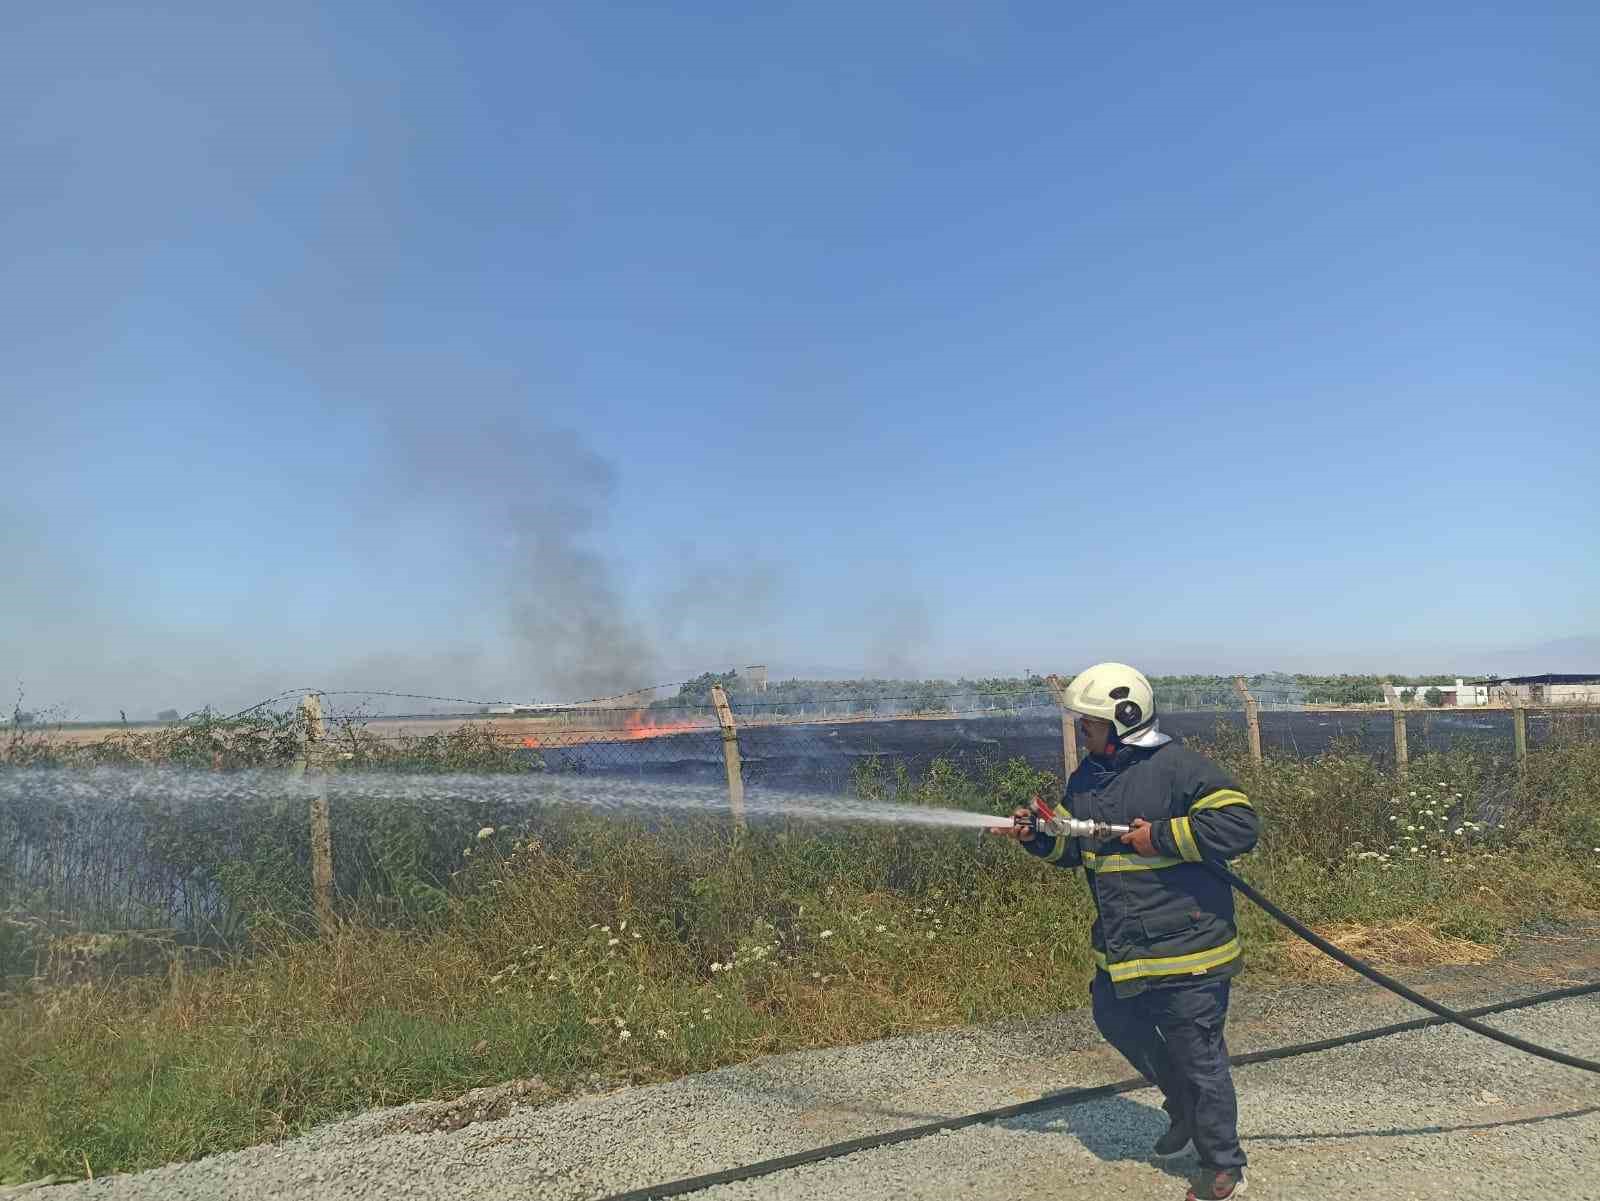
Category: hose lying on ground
[1393,985]
[1077,1096]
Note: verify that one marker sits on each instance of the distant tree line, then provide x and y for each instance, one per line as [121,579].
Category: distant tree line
[864,695]
[940,696]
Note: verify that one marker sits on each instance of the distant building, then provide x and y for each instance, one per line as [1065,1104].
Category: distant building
[1460,695]
[1465,695]
[1548,689]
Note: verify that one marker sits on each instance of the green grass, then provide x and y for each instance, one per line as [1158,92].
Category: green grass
[581,947]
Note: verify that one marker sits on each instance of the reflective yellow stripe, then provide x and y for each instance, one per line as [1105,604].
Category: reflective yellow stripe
[1187,847]
[1126,863]
[1174,965]
[1060,849]
[1220,798]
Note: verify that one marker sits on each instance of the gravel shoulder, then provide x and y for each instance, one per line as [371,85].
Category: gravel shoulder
[1432,1114]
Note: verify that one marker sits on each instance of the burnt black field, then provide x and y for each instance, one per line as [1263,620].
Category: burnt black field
[825,757]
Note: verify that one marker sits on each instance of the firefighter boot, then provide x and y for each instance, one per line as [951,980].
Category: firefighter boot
[1213,1184]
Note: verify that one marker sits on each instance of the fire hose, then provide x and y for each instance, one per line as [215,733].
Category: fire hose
[1044,820]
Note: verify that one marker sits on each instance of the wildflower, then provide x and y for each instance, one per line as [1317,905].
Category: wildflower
[826,934]
[705,1013]
[551,976]
[607,929]
[1458,831]
[816,975]
[624,1036]
[716,967]
[879,929]
[636,934]
[624,925]
[1413,794]
[485,833]
[661,1034]
[466,852]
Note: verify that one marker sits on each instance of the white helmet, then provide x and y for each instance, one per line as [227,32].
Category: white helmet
[1115,692]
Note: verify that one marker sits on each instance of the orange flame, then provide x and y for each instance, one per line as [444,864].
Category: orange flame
[641,726]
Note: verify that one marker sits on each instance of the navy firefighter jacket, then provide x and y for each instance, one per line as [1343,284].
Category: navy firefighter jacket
[1162,919]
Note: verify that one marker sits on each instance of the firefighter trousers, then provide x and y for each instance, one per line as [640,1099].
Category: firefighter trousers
[1172,1035]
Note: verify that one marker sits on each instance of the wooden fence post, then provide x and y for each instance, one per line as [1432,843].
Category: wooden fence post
[1252,717]
[730,755]
[1069,727]
[321,827]
[1398,708]
[1519,731]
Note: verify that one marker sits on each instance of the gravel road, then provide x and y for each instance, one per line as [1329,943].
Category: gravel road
[1438,1113]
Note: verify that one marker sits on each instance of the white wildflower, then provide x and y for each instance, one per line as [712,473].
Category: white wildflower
[611,942]
[826,934]
[486,832]
[624,1036]
[879,929]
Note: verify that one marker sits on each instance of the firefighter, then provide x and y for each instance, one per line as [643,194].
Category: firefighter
[1165,943]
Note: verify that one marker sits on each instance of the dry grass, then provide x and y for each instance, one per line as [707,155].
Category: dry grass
[1389,947]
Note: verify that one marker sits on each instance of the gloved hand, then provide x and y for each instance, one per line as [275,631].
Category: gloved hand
[1139,838]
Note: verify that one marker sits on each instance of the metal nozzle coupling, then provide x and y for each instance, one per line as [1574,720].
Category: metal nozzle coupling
[1045,820]
[1074,827]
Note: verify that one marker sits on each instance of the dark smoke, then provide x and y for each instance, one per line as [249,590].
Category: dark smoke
[533,504]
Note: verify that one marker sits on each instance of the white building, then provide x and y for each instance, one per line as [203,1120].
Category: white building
[1549,689]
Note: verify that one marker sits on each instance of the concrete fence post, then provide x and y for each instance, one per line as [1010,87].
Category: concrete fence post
[730,755]
[1069,726]
[1519,731]
[1252,717]
[321,828]
[1397,706]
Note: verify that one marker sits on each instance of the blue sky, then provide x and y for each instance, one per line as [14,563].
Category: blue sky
[516,351]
